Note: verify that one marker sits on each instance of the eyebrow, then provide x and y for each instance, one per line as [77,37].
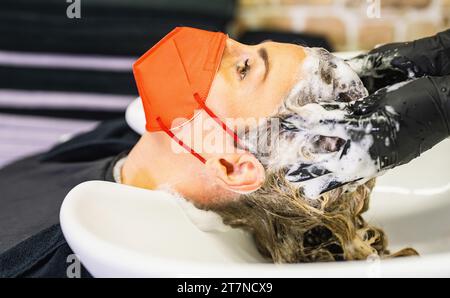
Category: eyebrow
[265,57]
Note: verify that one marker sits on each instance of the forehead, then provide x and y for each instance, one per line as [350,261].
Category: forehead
[275,49]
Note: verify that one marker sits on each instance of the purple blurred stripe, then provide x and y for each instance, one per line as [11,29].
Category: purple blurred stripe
[24,135]
[15,148]
[50,99]
[51,60]
[41,123]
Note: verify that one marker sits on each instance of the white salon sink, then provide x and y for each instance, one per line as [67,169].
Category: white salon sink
[123,231]
[412,203]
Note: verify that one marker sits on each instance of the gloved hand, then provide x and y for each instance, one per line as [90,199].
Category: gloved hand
[386,129]
[398,62]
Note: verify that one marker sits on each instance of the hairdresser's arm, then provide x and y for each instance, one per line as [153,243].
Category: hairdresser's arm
[398,62]
[388,128]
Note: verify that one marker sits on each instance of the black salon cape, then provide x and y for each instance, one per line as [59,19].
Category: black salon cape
[32,190]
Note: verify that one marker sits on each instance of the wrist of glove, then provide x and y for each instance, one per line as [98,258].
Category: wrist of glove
[398,62]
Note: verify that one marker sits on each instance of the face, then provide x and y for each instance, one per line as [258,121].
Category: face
[253,80]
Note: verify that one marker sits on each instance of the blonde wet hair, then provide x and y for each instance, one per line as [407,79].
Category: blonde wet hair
[287,228]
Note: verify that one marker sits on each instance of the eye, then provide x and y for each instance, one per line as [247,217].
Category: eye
[243,69]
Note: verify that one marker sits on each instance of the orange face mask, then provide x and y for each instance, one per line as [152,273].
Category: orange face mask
[174,78]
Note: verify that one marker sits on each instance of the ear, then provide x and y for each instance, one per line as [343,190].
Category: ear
[239,172]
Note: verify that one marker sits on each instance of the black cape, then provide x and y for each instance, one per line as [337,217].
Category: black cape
[32,190]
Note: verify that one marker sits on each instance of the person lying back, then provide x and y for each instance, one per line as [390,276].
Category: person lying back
[227,105]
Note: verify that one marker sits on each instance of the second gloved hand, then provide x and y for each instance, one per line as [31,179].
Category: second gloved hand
[384,130]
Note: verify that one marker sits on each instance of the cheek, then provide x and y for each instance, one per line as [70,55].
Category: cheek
[230,98]
[251,105]
[222,96]
[265,100]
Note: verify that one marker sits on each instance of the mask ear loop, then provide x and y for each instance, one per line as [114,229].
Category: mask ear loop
[222,124]
[180,142]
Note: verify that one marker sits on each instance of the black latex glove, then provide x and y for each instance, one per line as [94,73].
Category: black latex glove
[384,130]
[398,62]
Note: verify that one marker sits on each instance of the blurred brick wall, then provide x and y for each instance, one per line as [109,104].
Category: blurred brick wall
[349,24]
